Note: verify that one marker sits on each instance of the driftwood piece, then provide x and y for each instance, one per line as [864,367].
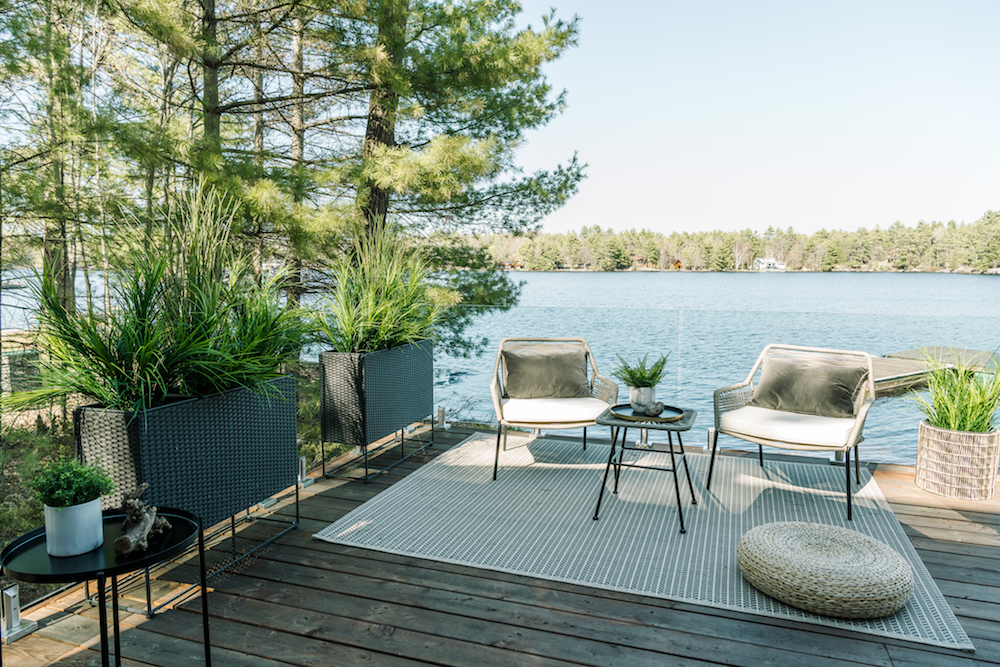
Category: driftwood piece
[140,522]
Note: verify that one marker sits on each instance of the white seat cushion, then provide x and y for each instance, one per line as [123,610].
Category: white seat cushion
[552,410]
[790,427]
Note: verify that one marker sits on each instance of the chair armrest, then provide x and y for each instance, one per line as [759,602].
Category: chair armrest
[605,389]
[859,423]
[729,398]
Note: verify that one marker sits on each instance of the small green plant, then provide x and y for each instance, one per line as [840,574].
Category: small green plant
[642,374]
[961,398]
[67,482]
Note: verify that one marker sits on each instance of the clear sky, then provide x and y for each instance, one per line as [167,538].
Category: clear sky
[696,115]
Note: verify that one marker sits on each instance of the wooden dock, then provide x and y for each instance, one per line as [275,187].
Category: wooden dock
[302,601]
[901,371]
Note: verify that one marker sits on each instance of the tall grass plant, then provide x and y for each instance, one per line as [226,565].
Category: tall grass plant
[188,316]
[382,294]
[961,398]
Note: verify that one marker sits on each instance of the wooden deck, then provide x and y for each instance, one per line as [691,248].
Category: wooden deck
[307,602]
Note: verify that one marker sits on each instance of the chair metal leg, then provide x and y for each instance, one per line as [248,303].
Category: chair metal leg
[584,438]
[713,440]
[496,461]
[857,466]
[760,454]
[847,467]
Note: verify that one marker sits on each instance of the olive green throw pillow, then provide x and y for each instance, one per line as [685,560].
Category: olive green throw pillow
[555,374]
[813,389]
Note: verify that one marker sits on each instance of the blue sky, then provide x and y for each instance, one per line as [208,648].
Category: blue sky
[714,114]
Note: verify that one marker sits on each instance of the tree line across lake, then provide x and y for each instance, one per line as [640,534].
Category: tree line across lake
[935,246]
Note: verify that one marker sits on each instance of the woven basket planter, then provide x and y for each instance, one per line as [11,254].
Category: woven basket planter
[366,396]
[957,464]
[214,456]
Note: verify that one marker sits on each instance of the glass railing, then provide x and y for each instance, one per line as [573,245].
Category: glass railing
[711,349]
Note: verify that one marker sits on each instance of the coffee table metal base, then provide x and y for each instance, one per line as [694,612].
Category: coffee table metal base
[616,457]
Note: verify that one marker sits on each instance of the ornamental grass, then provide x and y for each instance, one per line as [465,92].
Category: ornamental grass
[961,398]
[188,316]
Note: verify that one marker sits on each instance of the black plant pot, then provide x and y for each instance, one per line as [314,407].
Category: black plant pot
[213,456]
[366,396]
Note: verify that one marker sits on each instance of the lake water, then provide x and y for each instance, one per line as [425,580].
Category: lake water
[714,326]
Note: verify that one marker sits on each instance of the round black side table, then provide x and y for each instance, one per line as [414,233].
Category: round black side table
[26,559]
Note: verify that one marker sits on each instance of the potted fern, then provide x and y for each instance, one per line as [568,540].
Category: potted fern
[182,370]
[71,492]
[641,378]
[378,373]
[958,445]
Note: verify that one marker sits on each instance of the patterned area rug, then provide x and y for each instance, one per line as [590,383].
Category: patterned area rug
[536,520]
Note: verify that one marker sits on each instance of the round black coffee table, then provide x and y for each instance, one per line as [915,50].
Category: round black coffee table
[25,559]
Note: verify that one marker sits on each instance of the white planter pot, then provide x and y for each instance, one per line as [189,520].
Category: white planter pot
[640,397]
[75,530]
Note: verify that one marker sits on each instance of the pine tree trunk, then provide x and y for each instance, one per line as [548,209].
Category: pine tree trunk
[382,106]
[210,74]
[294,283]
[258,146]
[55,254]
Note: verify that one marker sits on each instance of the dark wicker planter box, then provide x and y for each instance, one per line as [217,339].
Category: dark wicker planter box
[367,396]
[214,456]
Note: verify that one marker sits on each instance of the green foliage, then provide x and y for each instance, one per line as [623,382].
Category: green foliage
[482,287]
[68,482]
[961,399]
[187,316]
[966,248]
[382,296]
[642,374]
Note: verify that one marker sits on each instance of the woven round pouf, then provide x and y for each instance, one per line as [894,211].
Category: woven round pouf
[827,570]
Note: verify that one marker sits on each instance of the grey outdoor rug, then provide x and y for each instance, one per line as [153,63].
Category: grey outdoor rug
[536,520]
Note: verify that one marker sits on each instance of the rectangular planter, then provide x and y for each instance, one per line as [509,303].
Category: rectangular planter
[213,456]
[366,396]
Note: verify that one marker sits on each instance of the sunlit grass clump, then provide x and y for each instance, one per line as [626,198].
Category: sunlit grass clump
[961,399]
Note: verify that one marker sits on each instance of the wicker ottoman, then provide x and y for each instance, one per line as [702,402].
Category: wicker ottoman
[827,570]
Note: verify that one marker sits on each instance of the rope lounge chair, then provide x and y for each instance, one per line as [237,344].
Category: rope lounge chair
[806,399]
[549,383]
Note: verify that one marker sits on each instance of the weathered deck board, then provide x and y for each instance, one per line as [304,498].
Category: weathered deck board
[303,601]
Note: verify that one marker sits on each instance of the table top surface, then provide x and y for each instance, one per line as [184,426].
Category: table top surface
[608,418]
[26,559]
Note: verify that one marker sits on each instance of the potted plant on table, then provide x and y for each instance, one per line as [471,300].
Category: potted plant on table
[182,369]
[958,445]
[378,375]
[641,379]
[71,492]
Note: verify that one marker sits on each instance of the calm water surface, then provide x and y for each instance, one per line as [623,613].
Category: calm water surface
[715,324]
